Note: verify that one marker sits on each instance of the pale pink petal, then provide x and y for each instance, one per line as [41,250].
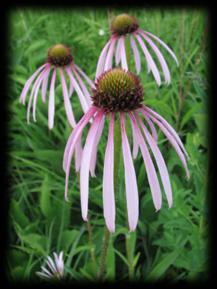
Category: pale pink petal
[78,129]
[67,103]
[168,127]
[29,82]
[102,57]
[164,45]
[94,152]
[43,275]
[118,52]
[123,54]
[44,85]
[42,76]
[35,85]
[174,144]
[130,180]
[78,154]
[71,143]
[149,59]
[160,162]
[71,89]
[136,54]
[109,57]
[152,127]
[150,169]
[108,180]
[81,96]
[85,163]
[89,81]
[46,271]
[83,87]
[51,106]
[51,264]
[159,56]
[135,142]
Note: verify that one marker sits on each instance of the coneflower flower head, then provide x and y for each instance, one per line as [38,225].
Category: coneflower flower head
[59,58]
[123,26]
[119,92]
[59,55]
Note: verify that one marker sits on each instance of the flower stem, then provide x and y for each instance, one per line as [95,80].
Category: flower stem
[102,265]
[129,244]
[90,240]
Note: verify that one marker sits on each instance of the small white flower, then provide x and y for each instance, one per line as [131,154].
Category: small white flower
[101,32]
[55,268]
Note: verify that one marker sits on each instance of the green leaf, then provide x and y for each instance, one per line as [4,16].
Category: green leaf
[161,267]
[18,215]
[67,239]
[110,261]
[36,242]
[45,197]
[35,46]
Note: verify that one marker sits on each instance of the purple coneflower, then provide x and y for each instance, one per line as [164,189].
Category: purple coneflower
[59,59]
[118,94]
[55,270]
[124,25]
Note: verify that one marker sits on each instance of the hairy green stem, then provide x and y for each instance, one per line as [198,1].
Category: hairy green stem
[129,235]
[90,240]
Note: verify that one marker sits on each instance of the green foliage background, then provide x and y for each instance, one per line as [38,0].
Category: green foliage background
[169,244]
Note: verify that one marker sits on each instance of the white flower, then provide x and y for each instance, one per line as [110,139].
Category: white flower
[101,32]
[55,268]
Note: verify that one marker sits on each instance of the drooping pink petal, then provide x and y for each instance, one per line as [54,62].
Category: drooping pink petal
[159,56]
[150,169]
[94,152]
[168,127]
[78,154]
[85,163]
[81,96]
[67,103]
[152,127]
[130,180]
[173,143]
[149,59]
[71,143]
[160,162]
[164,45]
[118,52]
[44,85]
[102,57]
[123,54]
[35,85]
[42,75]
[89,81]
[108,180]
[75,134]
[109,57]
[51,108]
[83,87]
[136,54]
[71,88]
[135,142]
[29,82]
